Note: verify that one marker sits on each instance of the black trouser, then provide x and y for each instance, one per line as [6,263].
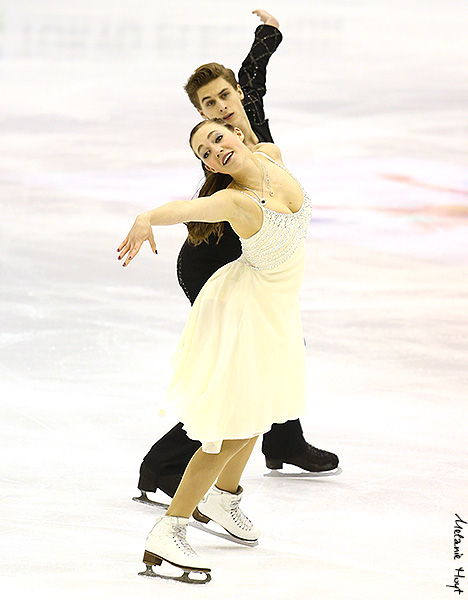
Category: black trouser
[171,454]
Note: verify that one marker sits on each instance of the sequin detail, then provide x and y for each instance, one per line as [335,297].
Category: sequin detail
[280,234]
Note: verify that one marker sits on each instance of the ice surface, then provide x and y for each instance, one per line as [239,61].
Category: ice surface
[368,103]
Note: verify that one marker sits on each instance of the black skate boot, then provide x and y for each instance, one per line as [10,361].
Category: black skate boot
[310,459]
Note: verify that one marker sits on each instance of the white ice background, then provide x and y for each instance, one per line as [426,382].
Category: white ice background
[368,101]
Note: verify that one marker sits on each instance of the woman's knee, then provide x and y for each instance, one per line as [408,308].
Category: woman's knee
[234,446]
[228,449]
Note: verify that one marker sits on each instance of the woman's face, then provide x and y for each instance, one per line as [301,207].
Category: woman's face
[221,149]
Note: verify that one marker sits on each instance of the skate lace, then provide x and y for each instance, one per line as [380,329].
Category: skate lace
[238,516]
[179,535]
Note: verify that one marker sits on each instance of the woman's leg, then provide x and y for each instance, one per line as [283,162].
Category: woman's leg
[221,504]
[202,471]
[228,479]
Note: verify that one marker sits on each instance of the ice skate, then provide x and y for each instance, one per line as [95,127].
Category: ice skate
[223,508]
[310,459]
[167,542]
[143,499]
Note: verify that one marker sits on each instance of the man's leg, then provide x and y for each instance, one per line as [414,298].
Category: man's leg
[285,443]
[166,462]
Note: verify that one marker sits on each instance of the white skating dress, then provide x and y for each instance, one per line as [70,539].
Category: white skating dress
[240,362]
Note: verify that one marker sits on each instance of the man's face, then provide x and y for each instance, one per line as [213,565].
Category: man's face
[219,99]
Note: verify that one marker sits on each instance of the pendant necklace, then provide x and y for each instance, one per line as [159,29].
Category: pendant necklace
[265,180]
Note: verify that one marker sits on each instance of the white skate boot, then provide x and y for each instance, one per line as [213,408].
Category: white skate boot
[223,508]
[167,541]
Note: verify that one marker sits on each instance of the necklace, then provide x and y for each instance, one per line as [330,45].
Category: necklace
[265,180]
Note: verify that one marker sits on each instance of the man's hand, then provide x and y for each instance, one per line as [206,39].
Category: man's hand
[266,17]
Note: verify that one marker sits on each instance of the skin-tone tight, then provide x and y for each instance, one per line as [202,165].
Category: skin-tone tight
[204,469]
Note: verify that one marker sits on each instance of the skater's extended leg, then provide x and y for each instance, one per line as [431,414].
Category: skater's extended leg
[202,471]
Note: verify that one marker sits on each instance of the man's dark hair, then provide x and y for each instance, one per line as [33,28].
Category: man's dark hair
[203,75]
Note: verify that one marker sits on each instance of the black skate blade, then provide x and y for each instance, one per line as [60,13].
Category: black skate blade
[225,536]
[143,499]
[304,474]
[184,578]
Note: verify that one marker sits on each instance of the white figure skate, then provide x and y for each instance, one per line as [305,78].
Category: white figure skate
[223,508]
[167,542]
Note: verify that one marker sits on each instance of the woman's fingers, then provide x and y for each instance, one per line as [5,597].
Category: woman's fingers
[152,242]
[130,255]
[133,251]
[122,244]
[123,249]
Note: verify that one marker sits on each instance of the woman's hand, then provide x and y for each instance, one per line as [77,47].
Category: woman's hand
[266,18]
[140,232]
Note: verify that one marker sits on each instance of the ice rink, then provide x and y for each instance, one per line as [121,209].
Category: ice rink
[368,101]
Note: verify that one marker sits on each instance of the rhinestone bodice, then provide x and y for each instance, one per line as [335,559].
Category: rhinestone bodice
[280,234]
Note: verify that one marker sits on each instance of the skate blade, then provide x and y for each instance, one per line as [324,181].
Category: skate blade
[143,499]
[184,578]
[225,536]
[305,474]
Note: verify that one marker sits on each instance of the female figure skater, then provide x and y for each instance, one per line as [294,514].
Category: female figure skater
[239,365]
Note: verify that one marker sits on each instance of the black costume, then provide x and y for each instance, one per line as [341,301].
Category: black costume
[165,463]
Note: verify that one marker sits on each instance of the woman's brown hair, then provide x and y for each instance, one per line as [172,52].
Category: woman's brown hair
[214,182]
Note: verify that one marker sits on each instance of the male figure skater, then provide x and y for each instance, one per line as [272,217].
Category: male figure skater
[214,92]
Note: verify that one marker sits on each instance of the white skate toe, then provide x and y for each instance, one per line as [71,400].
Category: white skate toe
[223,508]
[167,541]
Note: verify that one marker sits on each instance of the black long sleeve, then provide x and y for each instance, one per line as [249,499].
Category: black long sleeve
[252,78]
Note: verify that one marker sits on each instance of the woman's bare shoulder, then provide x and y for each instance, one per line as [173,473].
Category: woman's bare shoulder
[271,149]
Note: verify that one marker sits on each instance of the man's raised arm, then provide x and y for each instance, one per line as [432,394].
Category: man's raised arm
[252,74]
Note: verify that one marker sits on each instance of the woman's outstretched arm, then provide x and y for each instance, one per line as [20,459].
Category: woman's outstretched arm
[209,209]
